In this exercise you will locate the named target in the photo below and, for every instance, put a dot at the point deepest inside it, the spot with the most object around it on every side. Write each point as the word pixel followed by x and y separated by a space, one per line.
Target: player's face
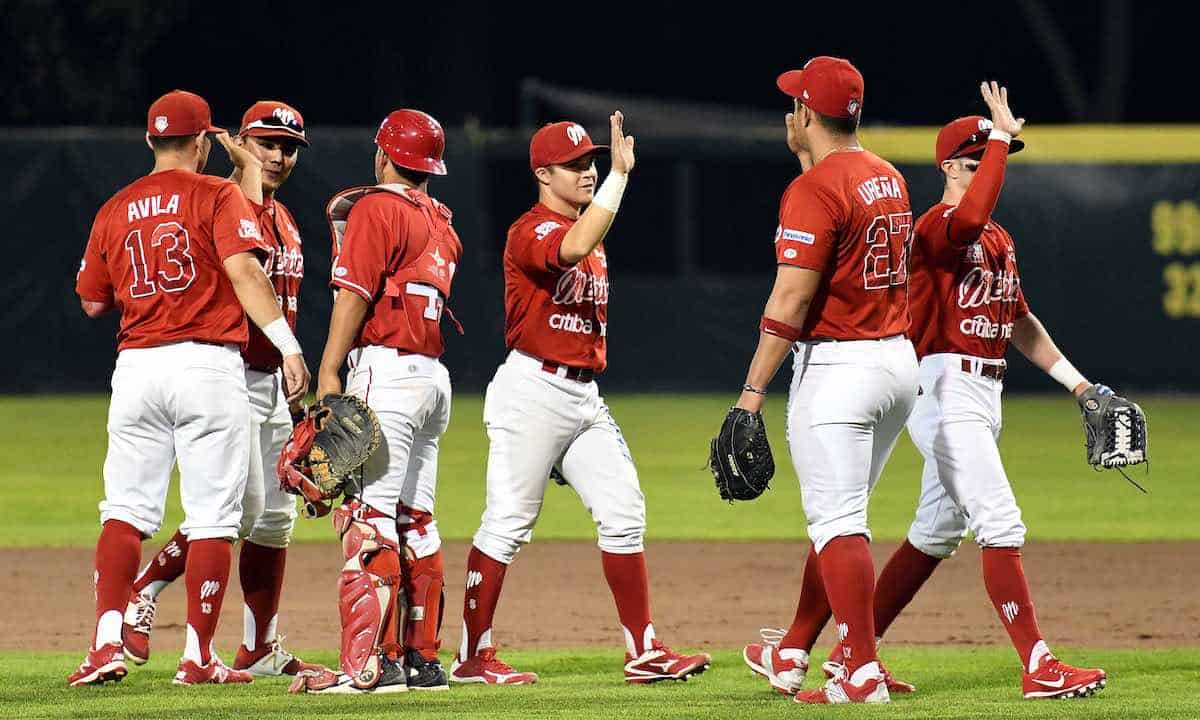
pixel 960 171
pixel 575 181
pixel 802 118
pixel 278 156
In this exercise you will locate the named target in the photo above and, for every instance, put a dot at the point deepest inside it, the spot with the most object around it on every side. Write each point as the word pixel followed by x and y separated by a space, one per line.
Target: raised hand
pixel 238 155
pixel 621 147
pixel 996 97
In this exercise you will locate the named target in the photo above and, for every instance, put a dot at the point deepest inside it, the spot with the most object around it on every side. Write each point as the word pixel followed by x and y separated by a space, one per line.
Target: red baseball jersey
pixel 394 247
pixel 965 296
pixel 156 251
pixel 849 218
pixel 285 267
pixel 552 310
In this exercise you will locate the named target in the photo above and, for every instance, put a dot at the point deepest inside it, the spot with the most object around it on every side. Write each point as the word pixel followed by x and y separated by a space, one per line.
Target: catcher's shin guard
pixel 368 593
pixel 424 579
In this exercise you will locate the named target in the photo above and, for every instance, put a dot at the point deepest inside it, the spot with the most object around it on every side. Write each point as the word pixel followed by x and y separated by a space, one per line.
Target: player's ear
pixel 148 143
pixel 542 175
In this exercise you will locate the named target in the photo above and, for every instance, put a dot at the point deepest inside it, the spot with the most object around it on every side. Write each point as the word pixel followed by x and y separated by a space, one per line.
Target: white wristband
pixel 611 190
pixel 1066 374
pixel 999 135
pixel 280 335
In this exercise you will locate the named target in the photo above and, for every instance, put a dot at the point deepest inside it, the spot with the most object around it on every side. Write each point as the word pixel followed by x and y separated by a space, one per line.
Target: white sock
pixel 108 627
pixel 191 646
pixel 1039 651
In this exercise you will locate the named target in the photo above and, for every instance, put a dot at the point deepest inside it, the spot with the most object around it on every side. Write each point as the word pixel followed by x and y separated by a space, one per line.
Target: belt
pixel 577 374
pixel 987 370
pixel 261 369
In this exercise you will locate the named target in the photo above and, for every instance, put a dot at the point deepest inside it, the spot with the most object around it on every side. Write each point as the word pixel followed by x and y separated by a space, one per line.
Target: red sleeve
pixel 535 247
pixel 93 282
pixel 235 225
pixel 977 204
pixel 808 222
pixel 1022 305
pixel 362 264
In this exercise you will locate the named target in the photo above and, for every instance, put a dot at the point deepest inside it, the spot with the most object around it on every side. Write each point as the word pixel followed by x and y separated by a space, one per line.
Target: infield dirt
pixel 703 594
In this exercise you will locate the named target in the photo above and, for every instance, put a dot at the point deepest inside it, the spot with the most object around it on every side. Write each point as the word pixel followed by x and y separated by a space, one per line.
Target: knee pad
pixel 369 594
pixel 419 531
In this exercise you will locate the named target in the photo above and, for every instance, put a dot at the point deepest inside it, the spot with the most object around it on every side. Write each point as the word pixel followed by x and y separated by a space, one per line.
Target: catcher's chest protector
pixel 433 250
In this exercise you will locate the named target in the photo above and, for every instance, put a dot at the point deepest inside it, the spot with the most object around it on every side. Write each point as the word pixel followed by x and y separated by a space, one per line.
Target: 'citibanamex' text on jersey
pixel 965 295
pixel 552 310
pixel 156 252
pixel 849 218
pixel 285 267
pixel 395 247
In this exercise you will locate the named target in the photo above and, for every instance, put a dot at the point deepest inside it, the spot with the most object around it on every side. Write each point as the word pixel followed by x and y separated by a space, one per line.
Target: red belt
pixel 263 370
pixel 577 374
pixel 987 370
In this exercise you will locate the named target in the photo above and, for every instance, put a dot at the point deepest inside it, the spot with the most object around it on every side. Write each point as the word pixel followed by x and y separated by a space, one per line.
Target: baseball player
pixel 840 306
pixel 968 306
pixel 177 252
pixel 544 413
pixel 272 133
pixel 395 253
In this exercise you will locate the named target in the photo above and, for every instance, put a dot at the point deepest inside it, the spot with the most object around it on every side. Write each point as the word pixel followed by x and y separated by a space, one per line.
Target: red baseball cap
pixel 272 118
pixel 828 85
pixel 179 112
pixel 966 136
pixel 559 143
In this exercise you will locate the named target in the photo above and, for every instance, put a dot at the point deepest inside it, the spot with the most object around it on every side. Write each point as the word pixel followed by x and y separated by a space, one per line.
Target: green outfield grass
pixel 953 683
pixel 52 454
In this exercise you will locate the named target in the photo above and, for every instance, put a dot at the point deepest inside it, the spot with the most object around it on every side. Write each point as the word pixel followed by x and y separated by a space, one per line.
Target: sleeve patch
pixel 796 236
pixel 545 229
pixel 248 229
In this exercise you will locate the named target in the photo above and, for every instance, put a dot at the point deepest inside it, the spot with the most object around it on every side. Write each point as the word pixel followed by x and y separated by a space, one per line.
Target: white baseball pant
pixel 847 405
pixel 268 513
pixel 411 395
pixel 185 401
pixel 956 426
pixel 536 421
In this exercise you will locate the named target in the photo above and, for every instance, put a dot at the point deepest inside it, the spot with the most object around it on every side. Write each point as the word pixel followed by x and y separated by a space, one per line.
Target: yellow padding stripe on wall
pixel 1109 144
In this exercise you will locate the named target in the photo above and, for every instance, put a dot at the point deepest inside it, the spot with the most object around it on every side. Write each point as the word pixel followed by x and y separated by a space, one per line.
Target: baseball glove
pixel 740 457
pixel 1114 430
pixel 333 440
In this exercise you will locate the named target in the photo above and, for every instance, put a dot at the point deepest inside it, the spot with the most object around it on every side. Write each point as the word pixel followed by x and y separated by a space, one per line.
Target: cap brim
pixel 276 133
pixel 975 152
pixel 790 83
pixel 580 152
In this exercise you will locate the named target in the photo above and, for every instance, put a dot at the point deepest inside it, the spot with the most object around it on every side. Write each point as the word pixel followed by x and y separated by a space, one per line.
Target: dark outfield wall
pixel 1110 256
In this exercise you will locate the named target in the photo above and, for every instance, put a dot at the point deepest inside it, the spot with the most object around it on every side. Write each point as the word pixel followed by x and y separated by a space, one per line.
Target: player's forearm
pixel 593 224
pixel 979 201
pixel 344 324
pixel 249 180
pixel 783 317
pixel 1031 339
pixel 772 351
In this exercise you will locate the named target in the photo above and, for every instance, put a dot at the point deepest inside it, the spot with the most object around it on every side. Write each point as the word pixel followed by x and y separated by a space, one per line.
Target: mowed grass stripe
pixel 974 683
pixel 51 461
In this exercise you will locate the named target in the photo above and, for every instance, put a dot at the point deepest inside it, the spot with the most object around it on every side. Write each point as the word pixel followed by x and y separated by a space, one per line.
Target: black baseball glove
pixel 1114 429
pixel 335 438
pixel 740 457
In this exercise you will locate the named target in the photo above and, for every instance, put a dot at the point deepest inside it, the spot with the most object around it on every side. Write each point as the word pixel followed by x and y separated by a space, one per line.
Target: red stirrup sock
pixel 118 552
pixel 627 579
pixel 207 577
pixel 812 610
pixel 849 578
pixel 906 571
pixel 260 570
pixel 166 567
pixel 1004 578
pixel 485 577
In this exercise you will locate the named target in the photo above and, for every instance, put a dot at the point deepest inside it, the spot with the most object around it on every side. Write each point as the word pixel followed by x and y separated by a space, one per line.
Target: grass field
pixel 979 684
pixel 50 483
pixel 53 454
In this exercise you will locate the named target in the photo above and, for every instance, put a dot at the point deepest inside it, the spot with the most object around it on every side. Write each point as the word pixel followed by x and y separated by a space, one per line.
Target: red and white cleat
pixel 271 660
pixel 784 668
pixel 486 668
pixel 214 673
pixel 104 664
pixel 894 686
pixel 865 685
pixel 1056 679
pixel 137 626
pixel 660 662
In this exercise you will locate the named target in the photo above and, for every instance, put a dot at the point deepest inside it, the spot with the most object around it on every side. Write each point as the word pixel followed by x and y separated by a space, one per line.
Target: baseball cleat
pixel 485 667
pixel 104 664
pixel 1056 679
pixel 784 668
pixel 865 685
pixel 660 662
pixel 327 682
pixel 136 627
pixel 895 687
pixel 214 673
pixel 271 660
pixel 424 674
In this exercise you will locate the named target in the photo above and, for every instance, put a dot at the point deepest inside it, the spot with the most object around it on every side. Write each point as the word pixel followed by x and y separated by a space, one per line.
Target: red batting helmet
pixel 413 140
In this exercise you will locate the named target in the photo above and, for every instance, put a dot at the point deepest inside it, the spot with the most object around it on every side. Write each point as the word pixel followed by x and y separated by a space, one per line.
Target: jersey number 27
pixel 889 239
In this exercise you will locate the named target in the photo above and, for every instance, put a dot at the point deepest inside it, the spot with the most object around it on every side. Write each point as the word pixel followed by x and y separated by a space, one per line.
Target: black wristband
pixel 750 388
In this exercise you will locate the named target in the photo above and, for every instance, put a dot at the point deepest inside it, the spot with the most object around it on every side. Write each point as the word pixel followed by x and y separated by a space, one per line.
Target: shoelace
pixel 279 656
pixel 493 663
pixel 772 636
pixel 838 672
pixel 144 622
